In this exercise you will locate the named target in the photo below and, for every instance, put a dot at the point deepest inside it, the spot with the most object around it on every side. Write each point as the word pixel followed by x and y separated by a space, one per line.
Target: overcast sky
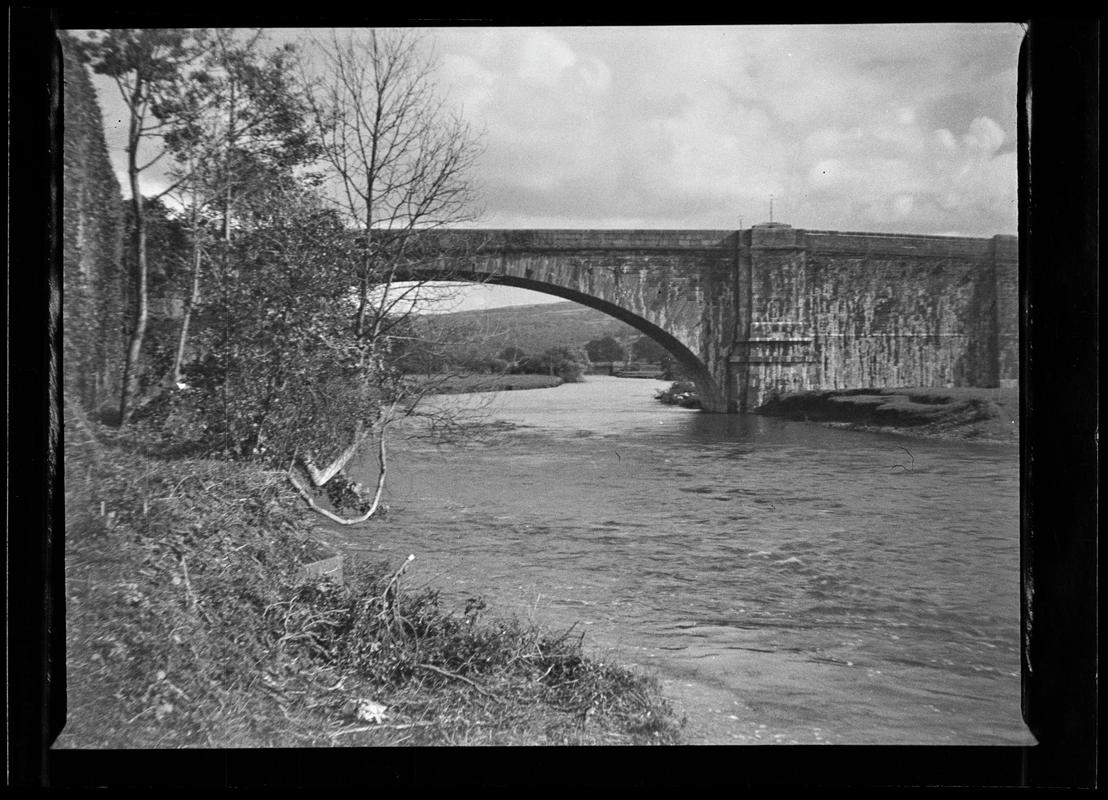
pixel 906 128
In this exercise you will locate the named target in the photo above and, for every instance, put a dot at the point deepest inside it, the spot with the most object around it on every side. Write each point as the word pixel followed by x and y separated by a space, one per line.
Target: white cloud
pixel 946 139
pixel 594 74
pixel 543 58
pixel 903 204
pixel 984 135
pixel 469 84
pixel 837 122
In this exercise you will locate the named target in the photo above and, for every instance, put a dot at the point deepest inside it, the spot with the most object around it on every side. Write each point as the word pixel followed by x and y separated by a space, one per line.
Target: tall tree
pixel 397 165
pixel 398 160
pixel 149 68
pixel 242 122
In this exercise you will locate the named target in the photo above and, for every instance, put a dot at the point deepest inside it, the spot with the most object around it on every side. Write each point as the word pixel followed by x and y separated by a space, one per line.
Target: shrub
pixel 680 393
pixel 563 362
pixel 605 349
pixel 511 354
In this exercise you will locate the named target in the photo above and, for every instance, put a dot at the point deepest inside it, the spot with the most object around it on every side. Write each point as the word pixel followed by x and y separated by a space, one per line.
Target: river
pixel 786 582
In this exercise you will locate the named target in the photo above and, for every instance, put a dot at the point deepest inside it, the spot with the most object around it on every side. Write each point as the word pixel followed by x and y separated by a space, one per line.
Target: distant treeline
pixel 532 329
pixel 554 339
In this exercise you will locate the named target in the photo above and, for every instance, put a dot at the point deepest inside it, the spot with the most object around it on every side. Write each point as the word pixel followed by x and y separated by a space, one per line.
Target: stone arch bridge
pixel 770 309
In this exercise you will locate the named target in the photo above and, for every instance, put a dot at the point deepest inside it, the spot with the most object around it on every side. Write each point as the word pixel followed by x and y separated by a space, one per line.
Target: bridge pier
pixel 715 398
pixel 831 310
pixel 714 403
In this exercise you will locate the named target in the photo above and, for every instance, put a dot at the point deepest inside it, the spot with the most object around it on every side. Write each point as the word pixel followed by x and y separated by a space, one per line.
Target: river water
pixel 786 582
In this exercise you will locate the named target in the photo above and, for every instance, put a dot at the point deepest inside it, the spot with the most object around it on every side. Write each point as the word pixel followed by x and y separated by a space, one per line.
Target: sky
pixel 904 128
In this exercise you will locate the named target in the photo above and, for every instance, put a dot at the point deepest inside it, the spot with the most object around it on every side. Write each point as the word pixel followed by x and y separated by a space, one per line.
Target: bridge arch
pixel 676 287
pixel 691 365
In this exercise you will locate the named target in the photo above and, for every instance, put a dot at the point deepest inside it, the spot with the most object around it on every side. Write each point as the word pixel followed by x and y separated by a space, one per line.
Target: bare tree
pixel 398 166
pixel 399 161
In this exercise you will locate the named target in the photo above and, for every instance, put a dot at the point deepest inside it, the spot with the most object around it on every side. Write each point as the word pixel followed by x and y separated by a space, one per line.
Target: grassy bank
pixel 191 622
pixel 460 384
pixel 952 413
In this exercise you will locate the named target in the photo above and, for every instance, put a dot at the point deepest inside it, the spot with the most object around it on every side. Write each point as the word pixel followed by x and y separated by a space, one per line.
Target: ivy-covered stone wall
pixel 93 283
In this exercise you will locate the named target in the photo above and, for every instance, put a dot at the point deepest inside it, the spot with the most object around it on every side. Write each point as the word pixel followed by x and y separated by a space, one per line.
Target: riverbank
pixel 464 384
pixel 194 618
pixel 964 413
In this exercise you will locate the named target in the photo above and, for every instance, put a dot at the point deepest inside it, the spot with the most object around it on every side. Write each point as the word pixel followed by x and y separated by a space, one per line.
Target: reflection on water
pixel 787 582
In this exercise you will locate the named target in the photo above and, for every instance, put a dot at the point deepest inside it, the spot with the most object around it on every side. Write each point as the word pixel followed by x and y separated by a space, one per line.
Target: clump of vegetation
pixel 192 623
pixel 566 363
pixel 679 393
pixel 645 349
pixel 606 349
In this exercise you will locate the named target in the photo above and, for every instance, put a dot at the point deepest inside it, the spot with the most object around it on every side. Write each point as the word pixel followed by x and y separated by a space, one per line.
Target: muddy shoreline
pixel 964 413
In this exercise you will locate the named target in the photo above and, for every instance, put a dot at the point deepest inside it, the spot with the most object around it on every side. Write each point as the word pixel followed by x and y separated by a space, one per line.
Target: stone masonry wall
pixel 94 304
pixel 852 310
pixel 1006 266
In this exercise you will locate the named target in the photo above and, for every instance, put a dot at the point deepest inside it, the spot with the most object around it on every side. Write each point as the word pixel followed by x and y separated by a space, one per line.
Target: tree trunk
pixel 363 301
pixel 316 476
pixel 320 477
pixel 186 316
pixel 138 332
pixel 227 194
pixel 367 247
pixel 194 296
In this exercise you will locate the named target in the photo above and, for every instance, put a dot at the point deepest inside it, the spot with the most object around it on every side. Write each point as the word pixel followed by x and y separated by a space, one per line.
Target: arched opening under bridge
pixel 690 365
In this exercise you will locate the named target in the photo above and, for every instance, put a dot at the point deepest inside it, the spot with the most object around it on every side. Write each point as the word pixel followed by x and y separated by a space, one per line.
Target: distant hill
pixel 533 328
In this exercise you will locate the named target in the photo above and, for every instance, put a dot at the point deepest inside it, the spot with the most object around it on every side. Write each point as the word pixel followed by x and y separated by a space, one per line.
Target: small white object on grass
pixel 369 711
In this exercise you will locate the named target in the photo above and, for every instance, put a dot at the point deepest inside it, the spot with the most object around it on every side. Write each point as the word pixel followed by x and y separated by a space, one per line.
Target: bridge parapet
pixel 890 245
pixel 500 240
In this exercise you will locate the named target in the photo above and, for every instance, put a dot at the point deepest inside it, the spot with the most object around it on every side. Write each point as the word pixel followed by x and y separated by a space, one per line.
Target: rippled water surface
pixel 786 582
